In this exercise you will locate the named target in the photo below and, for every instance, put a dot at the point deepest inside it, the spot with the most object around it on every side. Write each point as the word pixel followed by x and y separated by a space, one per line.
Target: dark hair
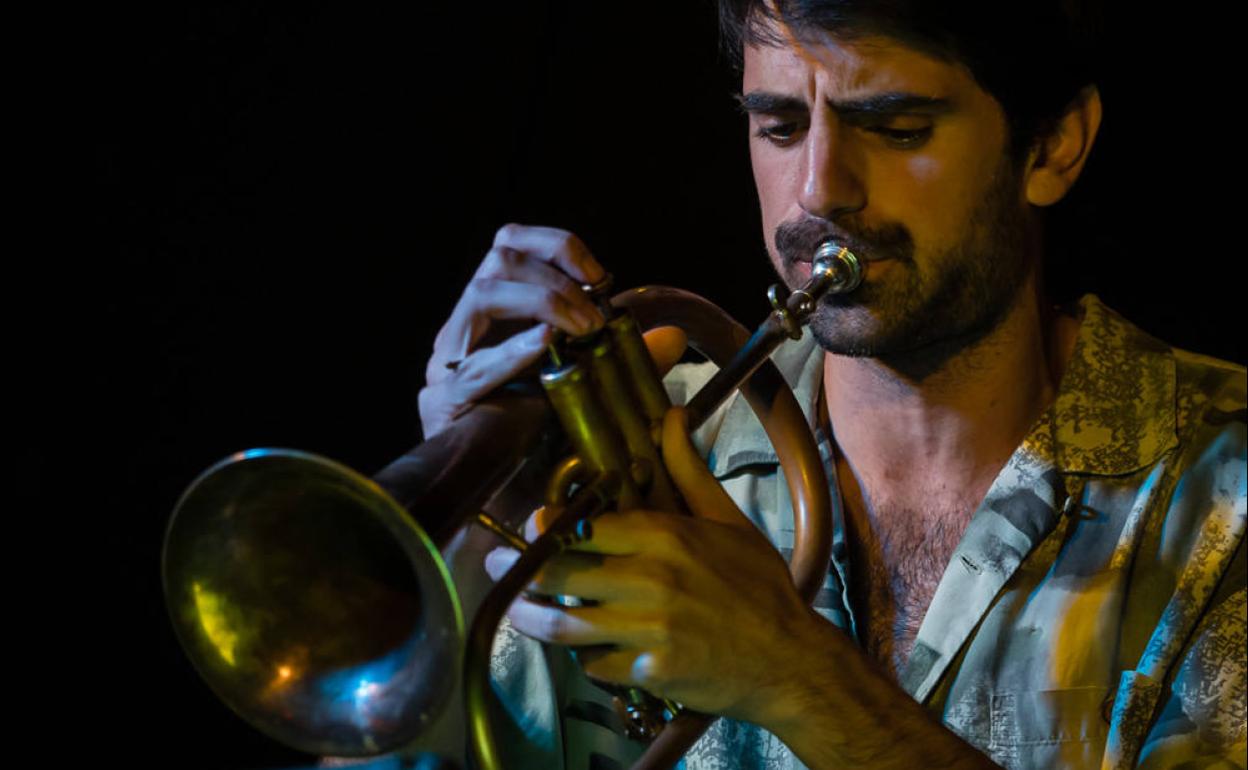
pixel 1034 57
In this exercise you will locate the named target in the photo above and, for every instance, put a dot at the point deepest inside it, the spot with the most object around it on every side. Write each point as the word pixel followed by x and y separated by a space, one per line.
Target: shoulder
pixel 1208 391
pixel 1204 477
pixel 1211 424
pixel 1187 498
pixel 1147 400
pixel 1161 432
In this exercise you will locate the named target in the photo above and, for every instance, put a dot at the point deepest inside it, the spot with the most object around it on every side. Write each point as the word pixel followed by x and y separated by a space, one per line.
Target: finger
pixel 702 492
pixel 621 579
pixel 624 533
pixel 559 247
pixel 488 299
pixel 503 262
pixel 470 320
pixel 667 344
pixel 499 561
pixel 553 577
pixel 540 521
pixel 577 626
pixel 487 368
pixel 609 664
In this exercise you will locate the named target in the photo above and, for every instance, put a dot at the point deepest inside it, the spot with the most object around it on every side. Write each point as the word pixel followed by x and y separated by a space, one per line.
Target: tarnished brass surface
pixel 595 437
pixel 314 603
pixel 310 602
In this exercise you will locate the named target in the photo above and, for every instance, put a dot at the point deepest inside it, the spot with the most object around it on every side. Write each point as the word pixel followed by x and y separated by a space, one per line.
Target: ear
pixel 1058 158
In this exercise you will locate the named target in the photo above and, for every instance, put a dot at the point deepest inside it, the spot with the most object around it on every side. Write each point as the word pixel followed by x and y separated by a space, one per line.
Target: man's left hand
pixel 700 609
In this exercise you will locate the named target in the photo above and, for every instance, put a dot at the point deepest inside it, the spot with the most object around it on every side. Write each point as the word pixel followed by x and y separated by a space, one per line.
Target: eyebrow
pixel 888 103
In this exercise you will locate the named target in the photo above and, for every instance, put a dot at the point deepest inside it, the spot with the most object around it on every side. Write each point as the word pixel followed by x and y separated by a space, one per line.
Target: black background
pixel 285 203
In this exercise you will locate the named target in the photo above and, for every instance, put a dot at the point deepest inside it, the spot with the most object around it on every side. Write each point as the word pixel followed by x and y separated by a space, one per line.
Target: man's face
pixel 903 158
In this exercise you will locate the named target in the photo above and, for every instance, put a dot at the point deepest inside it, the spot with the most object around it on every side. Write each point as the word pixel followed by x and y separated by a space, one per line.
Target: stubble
pixel 918 316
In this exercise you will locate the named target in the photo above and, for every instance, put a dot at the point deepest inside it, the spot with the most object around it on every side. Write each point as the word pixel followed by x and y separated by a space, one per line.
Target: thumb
pixel 667 344
pixel 703 494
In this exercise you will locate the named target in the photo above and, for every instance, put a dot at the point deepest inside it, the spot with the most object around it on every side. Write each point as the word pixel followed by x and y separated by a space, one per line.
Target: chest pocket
pixel 1048 728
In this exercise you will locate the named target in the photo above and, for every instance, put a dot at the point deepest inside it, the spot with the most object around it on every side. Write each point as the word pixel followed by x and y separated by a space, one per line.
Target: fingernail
pixel 584 530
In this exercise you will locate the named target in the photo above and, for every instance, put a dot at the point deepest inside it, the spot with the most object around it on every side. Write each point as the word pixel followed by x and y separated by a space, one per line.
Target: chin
pixel 913 338
pixel 851 330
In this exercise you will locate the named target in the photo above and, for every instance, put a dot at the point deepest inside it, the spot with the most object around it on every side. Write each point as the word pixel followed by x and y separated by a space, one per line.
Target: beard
pixel 917 317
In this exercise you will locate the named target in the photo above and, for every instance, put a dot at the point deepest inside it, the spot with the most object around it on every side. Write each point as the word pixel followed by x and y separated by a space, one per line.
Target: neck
pixel 952 428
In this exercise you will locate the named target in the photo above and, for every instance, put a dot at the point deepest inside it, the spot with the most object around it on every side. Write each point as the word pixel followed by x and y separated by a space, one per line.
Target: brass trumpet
pixel 315 603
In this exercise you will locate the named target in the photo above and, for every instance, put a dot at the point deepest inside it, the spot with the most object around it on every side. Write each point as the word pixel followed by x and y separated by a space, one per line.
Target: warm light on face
pixel 902 157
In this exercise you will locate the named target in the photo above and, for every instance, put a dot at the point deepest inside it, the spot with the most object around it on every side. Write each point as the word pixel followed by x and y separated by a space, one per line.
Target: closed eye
pixel 779 134
pixel 903 138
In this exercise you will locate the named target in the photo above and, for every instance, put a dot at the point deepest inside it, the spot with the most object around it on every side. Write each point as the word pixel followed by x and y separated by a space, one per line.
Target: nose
pixel 831 180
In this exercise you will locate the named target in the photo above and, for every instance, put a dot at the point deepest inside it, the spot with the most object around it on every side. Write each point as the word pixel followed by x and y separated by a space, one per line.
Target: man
pixel 1039 558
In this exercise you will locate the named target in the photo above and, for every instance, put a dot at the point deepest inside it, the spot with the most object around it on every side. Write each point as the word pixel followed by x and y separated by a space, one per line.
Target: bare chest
pixel 899 557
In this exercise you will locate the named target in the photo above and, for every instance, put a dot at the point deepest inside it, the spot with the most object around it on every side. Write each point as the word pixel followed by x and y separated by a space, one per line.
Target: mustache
pixel 796 241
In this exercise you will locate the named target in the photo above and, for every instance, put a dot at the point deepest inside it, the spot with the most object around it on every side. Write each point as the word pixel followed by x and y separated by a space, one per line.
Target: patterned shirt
pixel 1093 614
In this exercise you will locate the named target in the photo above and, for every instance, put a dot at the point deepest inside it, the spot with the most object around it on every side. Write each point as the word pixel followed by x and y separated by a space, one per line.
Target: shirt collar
pixel 1114 412
pixel 741 440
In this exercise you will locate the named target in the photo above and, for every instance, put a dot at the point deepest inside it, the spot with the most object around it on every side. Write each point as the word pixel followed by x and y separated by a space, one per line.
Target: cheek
pixel 772 187
pixel 922 186
pixel 930 198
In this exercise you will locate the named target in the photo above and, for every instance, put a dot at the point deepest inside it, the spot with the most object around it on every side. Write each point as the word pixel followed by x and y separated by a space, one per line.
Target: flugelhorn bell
pixel 311 603
pixel 315 603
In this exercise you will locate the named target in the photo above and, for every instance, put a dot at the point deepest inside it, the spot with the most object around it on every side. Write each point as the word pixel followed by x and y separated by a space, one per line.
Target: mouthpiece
pixel 835 268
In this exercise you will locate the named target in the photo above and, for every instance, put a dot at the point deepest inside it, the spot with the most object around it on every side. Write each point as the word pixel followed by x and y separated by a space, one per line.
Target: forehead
pixel 848 68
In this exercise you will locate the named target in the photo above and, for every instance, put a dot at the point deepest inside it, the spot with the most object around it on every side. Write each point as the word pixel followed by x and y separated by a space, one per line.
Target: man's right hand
pixel 530 274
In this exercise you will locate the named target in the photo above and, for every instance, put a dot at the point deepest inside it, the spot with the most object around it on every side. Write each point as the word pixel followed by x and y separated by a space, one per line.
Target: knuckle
pixel 508 233
pixel 571 242
pixel 510 258
pixel 670 583
pixel 652 669
pixel 500 261
pixel 551 301
pixel 424 406
pixel 432 373
pixel 431 400
pixel 660 582
pixel 664 627
pixel 492 265
pixel 669 539
pixel 473 377
pixel 481 286
pixel 569 289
